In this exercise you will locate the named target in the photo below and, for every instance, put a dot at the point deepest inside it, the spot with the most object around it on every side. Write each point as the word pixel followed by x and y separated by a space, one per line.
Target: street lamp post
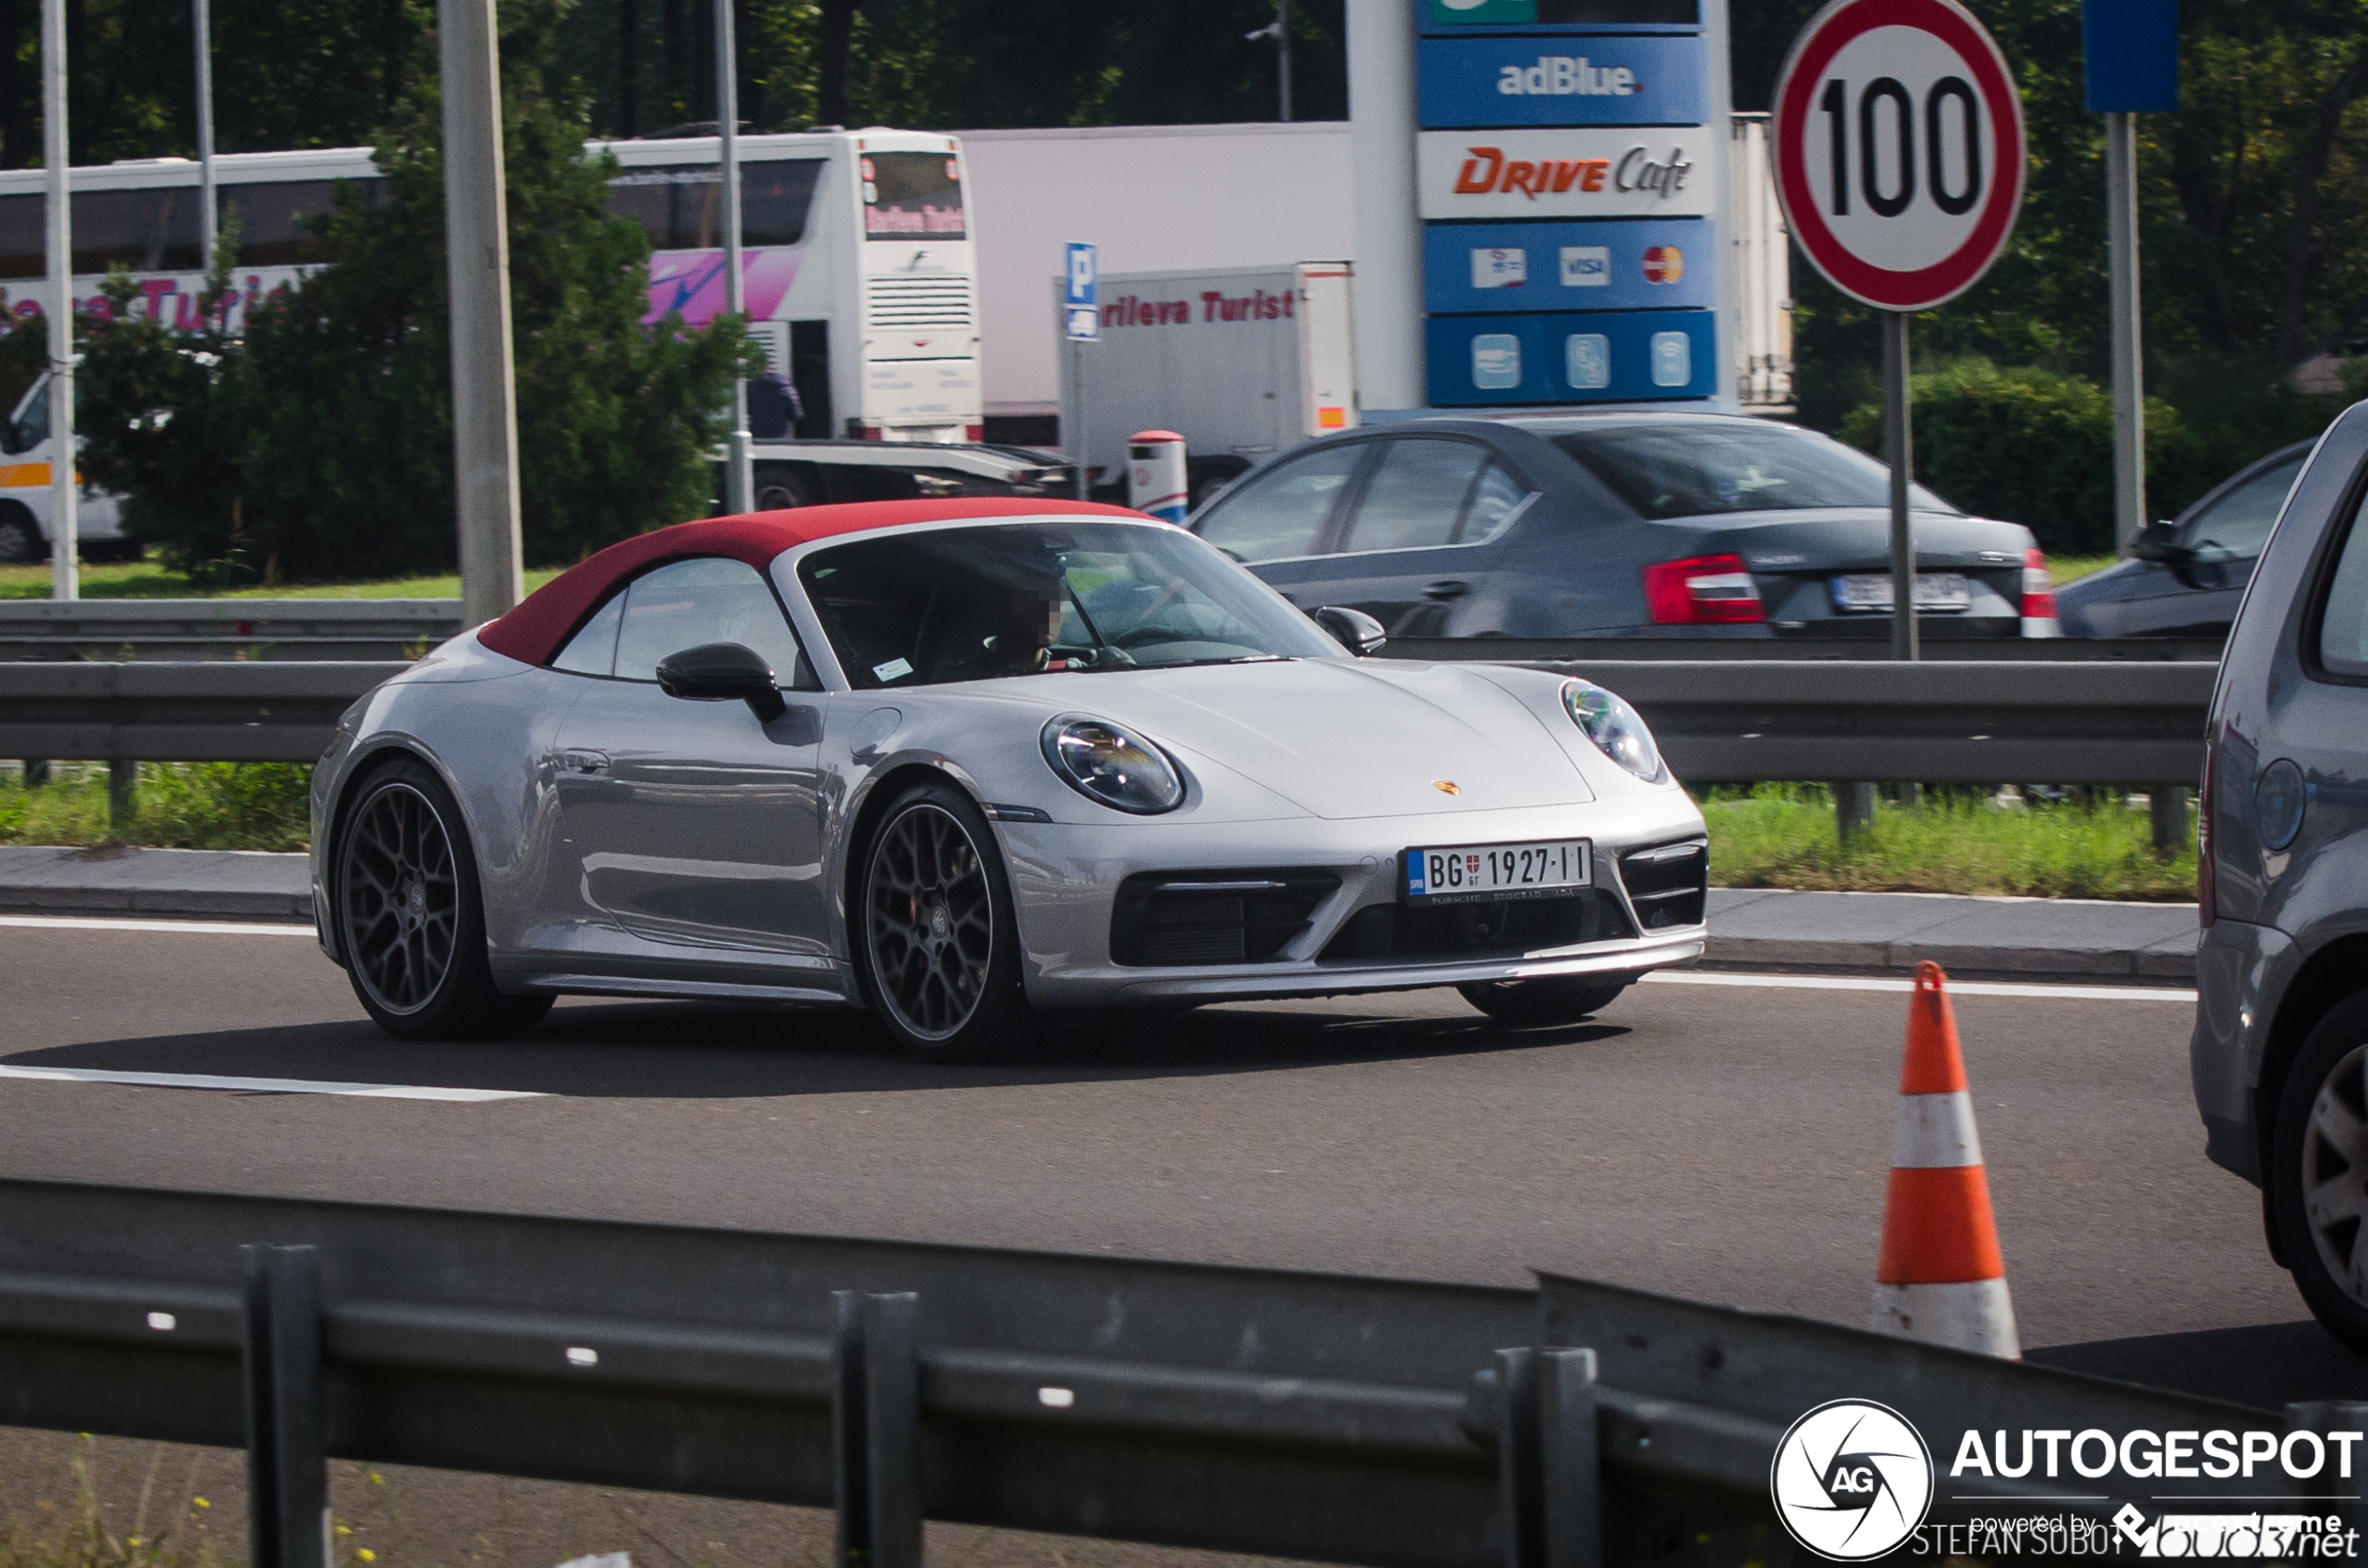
pixel 739 479
pixel 64 536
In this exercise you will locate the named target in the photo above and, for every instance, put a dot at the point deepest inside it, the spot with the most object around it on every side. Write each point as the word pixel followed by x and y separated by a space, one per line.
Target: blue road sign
pixel 1082 311
pixel 2131 55
pixel 1578 80
pixel 1609 264
pixel 1084 274
pixel 1578 356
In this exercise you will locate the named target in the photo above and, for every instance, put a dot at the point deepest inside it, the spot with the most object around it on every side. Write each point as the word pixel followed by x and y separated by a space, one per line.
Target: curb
pixel 1752 928
pixel 215 884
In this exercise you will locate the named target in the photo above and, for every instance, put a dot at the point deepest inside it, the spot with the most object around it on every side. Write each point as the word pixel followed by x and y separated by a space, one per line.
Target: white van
pixel 24 492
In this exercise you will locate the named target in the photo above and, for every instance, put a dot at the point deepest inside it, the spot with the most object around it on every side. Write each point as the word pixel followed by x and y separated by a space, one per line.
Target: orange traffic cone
pixel 1940 1278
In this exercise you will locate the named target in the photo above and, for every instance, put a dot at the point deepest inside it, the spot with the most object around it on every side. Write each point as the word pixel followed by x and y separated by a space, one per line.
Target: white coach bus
pixel 858 266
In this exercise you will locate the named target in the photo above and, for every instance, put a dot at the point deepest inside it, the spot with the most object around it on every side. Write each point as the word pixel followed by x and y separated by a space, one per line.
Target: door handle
pixel 579 761
pixel 1450 588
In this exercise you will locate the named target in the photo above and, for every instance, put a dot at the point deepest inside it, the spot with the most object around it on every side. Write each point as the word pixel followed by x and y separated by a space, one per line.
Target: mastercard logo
pixel 1664 264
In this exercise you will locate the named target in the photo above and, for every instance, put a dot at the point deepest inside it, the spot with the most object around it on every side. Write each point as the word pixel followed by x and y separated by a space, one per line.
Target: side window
pixel 696 601
pixel 592 650
pixel 1282 512
pixel 32 428
pixel 2236 526
pixel 1416 496
pixel 1496 501
pixel 2343 628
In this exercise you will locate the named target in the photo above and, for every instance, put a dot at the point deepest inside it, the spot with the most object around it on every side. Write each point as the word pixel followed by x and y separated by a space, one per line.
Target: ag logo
pixel 1852 1480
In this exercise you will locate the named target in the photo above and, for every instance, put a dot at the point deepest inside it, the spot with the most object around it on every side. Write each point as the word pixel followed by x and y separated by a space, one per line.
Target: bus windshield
pixel 908 194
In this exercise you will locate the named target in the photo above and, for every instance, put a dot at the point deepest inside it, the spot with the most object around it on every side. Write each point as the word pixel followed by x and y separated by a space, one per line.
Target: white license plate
pixel 1466 872
pixel 1871 590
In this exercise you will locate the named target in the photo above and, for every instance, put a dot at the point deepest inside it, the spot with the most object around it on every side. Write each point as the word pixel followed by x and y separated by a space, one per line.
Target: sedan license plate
pixel 1871 590
pixel 1469 873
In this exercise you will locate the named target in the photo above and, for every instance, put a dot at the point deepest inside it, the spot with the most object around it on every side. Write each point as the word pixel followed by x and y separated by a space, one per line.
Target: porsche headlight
pixel 1616 729
pixel 1106 763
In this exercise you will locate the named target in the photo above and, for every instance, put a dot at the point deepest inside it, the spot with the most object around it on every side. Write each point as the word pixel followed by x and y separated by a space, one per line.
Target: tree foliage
pixel 321 443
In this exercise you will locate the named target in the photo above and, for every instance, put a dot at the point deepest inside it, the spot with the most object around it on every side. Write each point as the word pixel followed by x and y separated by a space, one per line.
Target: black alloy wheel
pixel 938 944
pixel 2319 1173
pixel 1563 1000
pixel 410 923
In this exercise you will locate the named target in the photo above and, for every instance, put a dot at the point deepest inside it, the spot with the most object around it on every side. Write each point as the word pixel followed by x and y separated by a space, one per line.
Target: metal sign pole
pixel 2129 394
pixel 1899 449
pixel 201 25
pixel 1077 445
pixel 64 536
pixel 739 477
pixel 485 409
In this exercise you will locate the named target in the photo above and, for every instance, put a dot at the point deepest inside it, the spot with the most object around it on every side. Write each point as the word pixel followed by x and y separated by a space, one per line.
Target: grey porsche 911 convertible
pixel 960 762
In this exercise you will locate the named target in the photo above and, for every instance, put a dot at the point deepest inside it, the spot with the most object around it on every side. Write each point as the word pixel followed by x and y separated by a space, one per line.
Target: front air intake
pixel 1170 918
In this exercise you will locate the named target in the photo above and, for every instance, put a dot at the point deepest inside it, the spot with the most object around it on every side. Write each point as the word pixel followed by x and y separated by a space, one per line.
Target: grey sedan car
pixel 1617 524
pixel 960 762
pixel 2280 1047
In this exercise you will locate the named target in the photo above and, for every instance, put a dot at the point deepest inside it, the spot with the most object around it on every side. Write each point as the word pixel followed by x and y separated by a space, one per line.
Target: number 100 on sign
pixel 1899 149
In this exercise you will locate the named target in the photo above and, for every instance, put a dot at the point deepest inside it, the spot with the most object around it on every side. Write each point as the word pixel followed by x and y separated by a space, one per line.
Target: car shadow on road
pixel 2265 1366
pixel 703 1051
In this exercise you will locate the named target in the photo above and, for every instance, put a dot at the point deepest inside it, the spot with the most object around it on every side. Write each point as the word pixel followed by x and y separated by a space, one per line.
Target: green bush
pixel 2031 447
pixel 2036 447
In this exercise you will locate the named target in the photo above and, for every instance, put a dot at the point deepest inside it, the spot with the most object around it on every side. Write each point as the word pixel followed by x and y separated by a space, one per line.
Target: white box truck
pixel 1241 361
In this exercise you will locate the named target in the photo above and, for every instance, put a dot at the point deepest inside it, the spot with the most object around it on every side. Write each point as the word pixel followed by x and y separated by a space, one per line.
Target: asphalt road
pixel 1722 1141
pixel 1722 1138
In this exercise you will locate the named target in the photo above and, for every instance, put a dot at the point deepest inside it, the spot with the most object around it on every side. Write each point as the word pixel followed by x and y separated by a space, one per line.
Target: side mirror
pixel 1353 629
pixel 721 672
pixel 2158 541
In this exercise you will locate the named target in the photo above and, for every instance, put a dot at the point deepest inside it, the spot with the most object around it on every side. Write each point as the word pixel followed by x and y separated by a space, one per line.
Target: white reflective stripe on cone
pixel 1977 1315
pixel 1935 1130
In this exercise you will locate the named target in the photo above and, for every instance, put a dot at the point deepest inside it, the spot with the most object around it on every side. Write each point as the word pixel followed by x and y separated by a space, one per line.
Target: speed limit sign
pixel 1899 149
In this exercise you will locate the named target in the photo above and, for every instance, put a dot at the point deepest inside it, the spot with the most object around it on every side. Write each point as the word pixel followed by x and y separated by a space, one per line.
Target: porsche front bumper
pixel 1065 880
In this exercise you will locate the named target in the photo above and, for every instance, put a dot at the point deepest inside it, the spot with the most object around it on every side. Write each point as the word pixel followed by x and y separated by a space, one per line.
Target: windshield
pixel 975 603
pixel 2236 526
pixel 1700 469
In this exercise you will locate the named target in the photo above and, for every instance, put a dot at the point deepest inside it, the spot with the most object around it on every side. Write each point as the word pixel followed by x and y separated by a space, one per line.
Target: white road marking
pixel 184 928
pixel 265 1085
pixel 1956 987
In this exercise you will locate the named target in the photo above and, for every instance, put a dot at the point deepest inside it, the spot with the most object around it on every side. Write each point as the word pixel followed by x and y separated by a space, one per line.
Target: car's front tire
pixel 2319 1173
pixel 1542 1001
pixel 411 919
pixel 937 946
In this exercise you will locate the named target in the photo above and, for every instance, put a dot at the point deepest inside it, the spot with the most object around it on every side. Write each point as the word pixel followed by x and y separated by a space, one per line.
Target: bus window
pixel 23 233
pixel 272 231
pixel 678 204
pixel 149 230
pixel 908 194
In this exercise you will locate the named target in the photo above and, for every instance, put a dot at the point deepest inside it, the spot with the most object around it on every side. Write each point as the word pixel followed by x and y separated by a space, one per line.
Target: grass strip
pixel 2091 845
pixel 152 580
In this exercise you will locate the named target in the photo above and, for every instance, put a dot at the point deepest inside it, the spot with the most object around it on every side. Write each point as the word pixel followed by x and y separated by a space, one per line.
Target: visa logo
pixel 1586 266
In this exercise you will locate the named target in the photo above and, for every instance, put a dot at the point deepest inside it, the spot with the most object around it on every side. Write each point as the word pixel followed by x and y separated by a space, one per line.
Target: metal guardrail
pixel 1737 720
pixel 1716 721
pixel 225 629
pixel 195 711
pixel 400 628
pixel 1314 1416
pixel 1999 650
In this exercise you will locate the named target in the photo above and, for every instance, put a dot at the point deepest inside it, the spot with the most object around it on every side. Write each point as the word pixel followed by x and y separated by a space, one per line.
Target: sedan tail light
pixel 2039 596
pixel 1701 590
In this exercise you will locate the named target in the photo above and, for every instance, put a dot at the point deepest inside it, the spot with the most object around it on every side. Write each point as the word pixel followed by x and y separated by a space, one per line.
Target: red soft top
pixel 535 631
